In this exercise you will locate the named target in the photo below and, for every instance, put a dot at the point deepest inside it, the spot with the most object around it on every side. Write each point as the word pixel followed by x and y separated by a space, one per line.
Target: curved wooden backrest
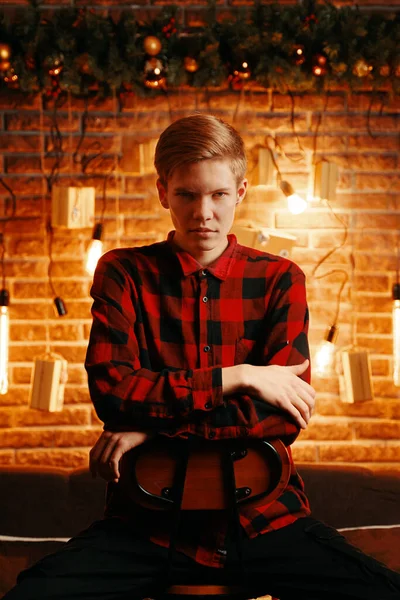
pixel 261 470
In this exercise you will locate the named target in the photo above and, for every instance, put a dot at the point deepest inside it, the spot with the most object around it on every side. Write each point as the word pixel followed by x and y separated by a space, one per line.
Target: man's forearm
pixel 235 380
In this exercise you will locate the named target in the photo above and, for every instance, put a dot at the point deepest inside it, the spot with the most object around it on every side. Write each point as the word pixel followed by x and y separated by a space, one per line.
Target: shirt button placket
pixel 204 315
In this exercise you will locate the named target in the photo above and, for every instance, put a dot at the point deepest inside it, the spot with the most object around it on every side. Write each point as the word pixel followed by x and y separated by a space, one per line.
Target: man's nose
pixel 203 208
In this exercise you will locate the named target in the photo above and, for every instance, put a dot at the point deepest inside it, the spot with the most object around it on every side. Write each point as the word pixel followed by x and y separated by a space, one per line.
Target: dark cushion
pixel 352 496
pixel 381 543
pixel 40 502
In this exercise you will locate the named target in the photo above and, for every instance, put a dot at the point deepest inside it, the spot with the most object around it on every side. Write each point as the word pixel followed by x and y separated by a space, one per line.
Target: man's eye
pixel 220 194
pixel 186 194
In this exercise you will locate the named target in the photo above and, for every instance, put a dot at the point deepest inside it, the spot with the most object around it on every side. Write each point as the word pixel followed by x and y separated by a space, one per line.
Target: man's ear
pixel 162 194
pixel 241 192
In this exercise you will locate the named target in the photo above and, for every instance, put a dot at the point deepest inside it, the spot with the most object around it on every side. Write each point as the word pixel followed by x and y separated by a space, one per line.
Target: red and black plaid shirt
pixel 163 328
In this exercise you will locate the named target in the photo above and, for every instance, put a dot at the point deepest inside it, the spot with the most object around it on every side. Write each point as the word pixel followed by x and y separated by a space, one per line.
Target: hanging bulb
pixel 296 204
pixel 95 249
pixel 325 355
pixel 60 306
pixel 396 334
pixel 4 340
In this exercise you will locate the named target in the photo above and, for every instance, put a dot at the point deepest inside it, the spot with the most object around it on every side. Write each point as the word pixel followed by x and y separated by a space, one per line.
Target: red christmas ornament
pixel 320 60
pixel 170 28
pixel 310 20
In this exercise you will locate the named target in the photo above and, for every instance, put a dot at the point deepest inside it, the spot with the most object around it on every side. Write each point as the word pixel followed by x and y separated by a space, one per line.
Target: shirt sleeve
pixel 125 395
pixel 285 343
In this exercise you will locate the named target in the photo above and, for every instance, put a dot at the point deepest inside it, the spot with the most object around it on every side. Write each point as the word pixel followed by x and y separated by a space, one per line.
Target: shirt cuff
pixel 207 388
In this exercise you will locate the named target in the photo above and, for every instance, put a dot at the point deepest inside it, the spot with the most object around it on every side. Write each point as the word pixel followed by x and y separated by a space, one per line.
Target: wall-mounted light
pixel 269 240
pixel 296 204
pixel 4 339
pixel 325 181
pixel 325 355
pixel 72 207
pixel 49 376
pixel 355 378
pixel 95 249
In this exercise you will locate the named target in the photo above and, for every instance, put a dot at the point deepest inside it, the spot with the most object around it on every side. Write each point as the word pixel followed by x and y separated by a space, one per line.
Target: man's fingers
pixel 307 397
pixel 108 450
pixel 298 417
pixel 105 464
pixel 96 453
pixel 299 369
pixel 100 453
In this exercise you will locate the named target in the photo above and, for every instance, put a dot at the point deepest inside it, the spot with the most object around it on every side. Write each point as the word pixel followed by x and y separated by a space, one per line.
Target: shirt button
pixel 205 299
pixel 208 405
pixel 204 273
pixel 207 348
pixel 211 434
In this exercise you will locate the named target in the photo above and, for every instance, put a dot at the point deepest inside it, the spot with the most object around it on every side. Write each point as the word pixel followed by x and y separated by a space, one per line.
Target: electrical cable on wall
pixel 58 301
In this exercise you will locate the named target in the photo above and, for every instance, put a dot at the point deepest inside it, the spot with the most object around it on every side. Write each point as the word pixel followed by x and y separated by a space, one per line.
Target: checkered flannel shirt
pixel 163 329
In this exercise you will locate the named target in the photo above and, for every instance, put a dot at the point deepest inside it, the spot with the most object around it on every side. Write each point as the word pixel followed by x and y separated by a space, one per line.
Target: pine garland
pixel 307 47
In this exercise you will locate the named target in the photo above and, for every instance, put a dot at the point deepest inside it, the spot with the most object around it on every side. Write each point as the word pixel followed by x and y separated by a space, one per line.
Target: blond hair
pixel 199 137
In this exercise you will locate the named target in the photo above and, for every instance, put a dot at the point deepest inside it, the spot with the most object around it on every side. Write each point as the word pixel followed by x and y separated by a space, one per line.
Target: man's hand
pixel 108 450
pixel 283 388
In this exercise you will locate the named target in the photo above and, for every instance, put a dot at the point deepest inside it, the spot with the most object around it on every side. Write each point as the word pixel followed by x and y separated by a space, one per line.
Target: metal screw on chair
pixel 238 454
pixel 242 492
pixel 166 492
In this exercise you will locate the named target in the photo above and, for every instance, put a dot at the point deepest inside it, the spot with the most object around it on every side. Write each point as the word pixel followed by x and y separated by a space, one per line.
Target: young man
pixel 200 336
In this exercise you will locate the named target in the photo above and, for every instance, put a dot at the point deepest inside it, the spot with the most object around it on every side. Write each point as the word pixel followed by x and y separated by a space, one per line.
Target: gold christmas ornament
pixel 11 78
pixel 154 74
pixel 55 64
pixel 191 65
pixel 5 52
pixel 362 68
pixel 152 45
pixel 298 55
pixel 318 71
pixel 319 65
pixel 243 71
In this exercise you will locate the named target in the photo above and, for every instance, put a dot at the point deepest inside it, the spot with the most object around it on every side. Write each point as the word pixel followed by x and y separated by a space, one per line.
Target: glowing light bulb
pixel 95 250
pixel 4 340
pixel 325 355
pixel 396 334
pixel 296 204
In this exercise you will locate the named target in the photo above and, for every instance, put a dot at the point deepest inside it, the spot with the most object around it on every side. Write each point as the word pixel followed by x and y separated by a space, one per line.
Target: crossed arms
pixel 273 400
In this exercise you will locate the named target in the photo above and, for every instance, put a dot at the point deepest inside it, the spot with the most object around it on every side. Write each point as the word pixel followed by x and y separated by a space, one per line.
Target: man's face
pixel 202 198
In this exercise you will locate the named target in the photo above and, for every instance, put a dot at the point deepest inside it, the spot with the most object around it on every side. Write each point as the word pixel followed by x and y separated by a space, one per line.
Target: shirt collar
pixel 189 265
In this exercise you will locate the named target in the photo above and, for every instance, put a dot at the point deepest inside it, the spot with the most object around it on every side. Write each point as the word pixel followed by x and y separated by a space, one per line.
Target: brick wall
pixel 367 152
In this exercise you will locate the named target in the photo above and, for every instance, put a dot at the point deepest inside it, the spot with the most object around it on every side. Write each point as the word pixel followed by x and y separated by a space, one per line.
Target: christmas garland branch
pixel 305 47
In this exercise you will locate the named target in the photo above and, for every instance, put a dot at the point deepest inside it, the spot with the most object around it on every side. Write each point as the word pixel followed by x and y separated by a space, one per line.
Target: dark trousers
pixel 304 561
